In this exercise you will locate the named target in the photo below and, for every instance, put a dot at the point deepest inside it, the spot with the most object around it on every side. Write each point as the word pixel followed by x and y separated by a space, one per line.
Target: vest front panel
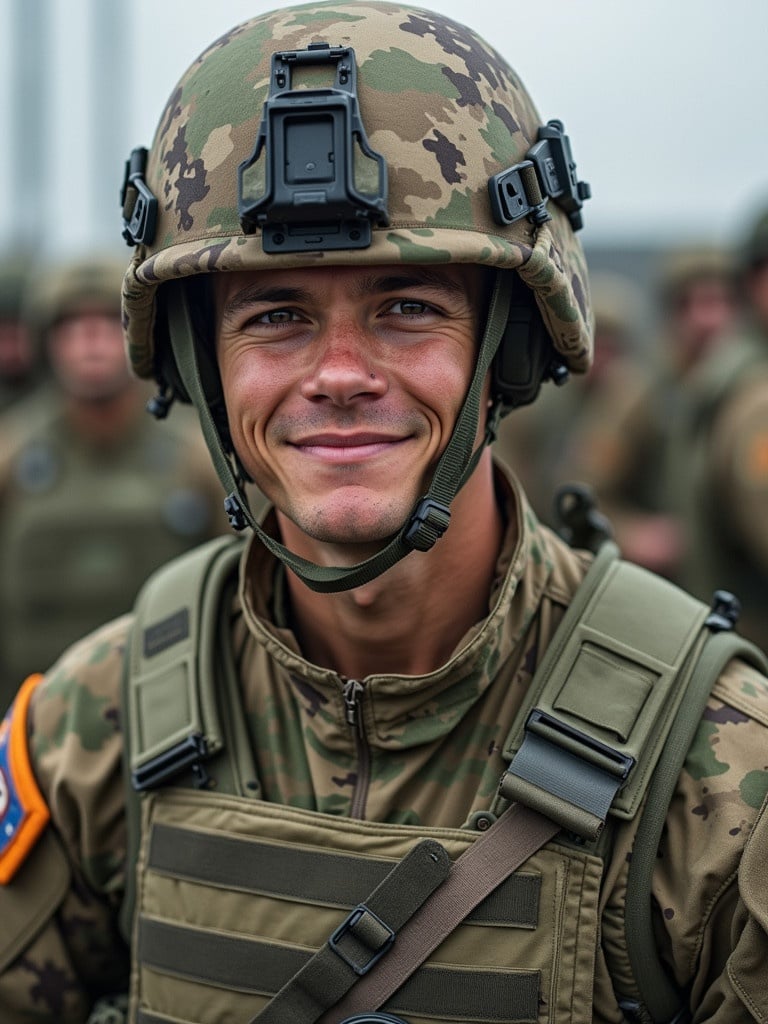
pixel 235 895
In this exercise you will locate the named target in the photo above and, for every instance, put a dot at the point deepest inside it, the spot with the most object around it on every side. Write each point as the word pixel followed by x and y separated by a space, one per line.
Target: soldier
pixel 92 496
pixel 574 433
pixel 698 306
pixel 317 718
pixel 718 462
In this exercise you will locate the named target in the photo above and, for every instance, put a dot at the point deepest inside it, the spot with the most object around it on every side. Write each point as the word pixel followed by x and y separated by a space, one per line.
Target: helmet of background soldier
pixel 438 156
pixel 683 267
pixel 62 290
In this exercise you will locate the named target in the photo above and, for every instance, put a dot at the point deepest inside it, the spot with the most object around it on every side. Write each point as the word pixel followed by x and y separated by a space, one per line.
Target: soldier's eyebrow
pixel 256 293
pixel 402 281
pixel 369 284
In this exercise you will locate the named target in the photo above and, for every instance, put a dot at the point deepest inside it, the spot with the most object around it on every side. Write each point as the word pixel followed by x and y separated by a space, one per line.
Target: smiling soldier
pixel 400 754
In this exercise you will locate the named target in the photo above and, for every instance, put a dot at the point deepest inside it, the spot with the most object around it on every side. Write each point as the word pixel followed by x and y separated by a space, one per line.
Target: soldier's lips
pixel 339 448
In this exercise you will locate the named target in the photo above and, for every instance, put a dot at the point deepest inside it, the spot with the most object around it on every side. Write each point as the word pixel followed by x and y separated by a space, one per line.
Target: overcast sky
pixel 664 101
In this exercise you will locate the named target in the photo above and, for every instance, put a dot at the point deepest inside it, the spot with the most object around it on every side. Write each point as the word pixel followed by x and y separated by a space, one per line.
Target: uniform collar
pixel 522 571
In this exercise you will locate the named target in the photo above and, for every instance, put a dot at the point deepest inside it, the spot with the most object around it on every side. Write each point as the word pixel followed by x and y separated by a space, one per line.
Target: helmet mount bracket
pixel 312 183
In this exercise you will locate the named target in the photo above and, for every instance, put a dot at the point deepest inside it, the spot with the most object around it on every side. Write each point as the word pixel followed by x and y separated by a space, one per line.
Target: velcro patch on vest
pixel 23 811
pixel 166 633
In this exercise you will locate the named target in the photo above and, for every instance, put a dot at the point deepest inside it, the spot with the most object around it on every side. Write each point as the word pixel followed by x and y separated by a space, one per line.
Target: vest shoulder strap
pixel 169 709
pixel 173 717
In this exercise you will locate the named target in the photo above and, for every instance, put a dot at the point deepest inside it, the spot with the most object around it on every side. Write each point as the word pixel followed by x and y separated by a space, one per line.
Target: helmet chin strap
pixel 429 519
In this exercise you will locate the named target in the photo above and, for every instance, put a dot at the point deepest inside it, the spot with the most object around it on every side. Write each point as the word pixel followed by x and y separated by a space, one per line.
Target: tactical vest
pixel 94 525
pixel 238 899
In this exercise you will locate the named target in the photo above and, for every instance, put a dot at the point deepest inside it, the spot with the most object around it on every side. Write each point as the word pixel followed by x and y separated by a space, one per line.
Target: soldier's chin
pixel 354 526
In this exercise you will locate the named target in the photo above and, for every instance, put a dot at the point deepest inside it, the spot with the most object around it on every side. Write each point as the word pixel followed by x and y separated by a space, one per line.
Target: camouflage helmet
pixel 438 155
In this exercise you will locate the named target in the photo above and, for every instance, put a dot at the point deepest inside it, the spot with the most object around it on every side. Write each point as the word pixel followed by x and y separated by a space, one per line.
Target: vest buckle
pixel 362 939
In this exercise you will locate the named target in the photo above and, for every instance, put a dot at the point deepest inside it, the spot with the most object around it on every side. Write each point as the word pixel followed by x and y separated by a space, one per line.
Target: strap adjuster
pixel 427 524
pixel 362 939
pixel 566 774
pixel 189 752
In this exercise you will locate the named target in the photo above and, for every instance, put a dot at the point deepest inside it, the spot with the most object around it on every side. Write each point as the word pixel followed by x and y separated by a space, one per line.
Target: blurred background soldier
pixel 718 469
pixel 93 493
pixel 570 433
pixel 697 307
pixel 20 363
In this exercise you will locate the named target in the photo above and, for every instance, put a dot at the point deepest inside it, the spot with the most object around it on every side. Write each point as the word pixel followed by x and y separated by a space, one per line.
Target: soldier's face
pixel 87 354
pixel 343 384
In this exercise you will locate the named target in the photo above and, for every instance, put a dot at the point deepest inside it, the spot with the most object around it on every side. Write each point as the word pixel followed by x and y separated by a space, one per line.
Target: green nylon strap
pixel 660 998
pixel 430 518
pixel 366 936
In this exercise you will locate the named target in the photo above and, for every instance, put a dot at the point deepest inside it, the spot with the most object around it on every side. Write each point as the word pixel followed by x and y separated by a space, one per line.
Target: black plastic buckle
pixel 427 524
pixel 725 611
pixel 580 522
pixel 348 925
pixel 557 171
pixel 613 761
pixel 514 195
pixel 138 203
pixel 510 199
pixel 235 512
pixel 187 753
pixel 303 184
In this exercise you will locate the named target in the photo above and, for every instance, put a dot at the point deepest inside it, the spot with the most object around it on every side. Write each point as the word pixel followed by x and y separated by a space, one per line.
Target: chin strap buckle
pixel 427 524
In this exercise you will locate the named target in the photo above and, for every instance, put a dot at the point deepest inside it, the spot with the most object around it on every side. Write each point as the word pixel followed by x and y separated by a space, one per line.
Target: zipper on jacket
pixel 353 694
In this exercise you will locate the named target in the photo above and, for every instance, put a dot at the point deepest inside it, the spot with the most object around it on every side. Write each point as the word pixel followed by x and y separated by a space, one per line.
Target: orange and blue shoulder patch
pixel 23 811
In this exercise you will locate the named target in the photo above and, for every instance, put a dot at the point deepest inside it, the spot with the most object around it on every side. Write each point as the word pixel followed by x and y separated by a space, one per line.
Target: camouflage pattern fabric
pixel 434 744
pixel 465 117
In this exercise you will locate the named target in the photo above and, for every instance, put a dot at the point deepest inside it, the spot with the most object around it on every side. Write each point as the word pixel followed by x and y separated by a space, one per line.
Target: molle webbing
pixel 246 965
pixel 602 703
pixel 299 875
pixel 238 897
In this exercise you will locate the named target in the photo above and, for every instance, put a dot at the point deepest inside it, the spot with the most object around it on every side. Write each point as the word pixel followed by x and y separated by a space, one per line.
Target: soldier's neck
pixel 411 619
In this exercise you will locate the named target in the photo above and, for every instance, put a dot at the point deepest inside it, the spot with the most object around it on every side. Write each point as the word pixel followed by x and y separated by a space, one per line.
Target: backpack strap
pixel 659 1000
pixel 174 662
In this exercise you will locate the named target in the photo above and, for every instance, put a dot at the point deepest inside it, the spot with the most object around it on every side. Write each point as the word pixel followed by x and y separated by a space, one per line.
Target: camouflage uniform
pixel 424 752
pixel 435 751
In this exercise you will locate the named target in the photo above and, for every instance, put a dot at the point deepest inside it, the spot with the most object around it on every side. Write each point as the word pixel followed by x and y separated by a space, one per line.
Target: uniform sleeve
pixel 709 884
pixel 60 947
